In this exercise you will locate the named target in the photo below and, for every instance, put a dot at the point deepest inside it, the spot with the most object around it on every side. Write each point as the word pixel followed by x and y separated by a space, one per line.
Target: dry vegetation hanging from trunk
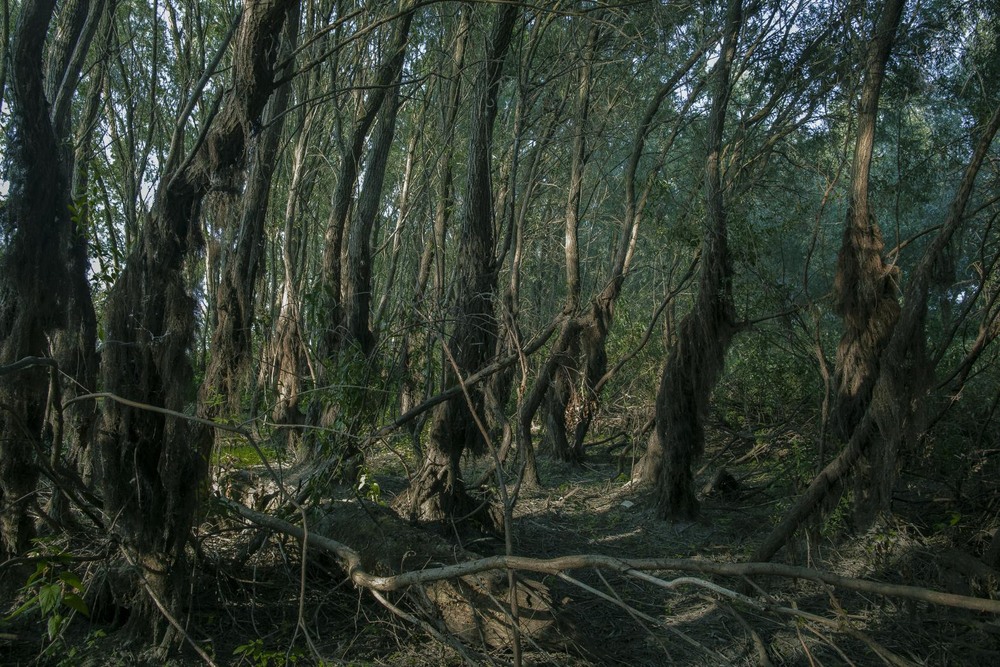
pixel 153 467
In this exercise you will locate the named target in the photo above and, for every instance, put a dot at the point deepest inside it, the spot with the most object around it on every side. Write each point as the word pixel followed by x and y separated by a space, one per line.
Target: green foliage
pixel 53 590
pixel 367 487
pixel 255 653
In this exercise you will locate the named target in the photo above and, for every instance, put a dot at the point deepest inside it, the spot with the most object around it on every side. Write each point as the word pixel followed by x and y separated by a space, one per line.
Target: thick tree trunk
pixel 153 466
pixel 697 357
pixel 242 253
pixel 33 274
pixel 438 490
pixel 865 286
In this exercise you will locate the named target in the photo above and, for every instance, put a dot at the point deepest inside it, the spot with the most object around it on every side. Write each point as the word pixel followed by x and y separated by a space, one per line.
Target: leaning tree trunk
pixel 697 356
pixel 153 465
pixel 865 286
pixel 357 279
pixel 438 491
pixel 340 279
pixel 36 229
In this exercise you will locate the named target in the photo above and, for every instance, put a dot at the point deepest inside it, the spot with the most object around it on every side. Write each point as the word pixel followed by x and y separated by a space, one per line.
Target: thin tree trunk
pixel 357 280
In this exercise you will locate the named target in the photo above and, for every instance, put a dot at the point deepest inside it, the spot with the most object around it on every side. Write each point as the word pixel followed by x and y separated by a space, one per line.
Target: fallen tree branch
pixel 627 566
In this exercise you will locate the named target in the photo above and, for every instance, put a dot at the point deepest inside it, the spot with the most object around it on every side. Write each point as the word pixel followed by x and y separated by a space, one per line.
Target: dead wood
pixel 470 604
pixel 351 519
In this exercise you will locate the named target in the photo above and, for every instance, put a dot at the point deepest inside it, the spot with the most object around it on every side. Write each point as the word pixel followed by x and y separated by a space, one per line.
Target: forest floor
pixel 263 608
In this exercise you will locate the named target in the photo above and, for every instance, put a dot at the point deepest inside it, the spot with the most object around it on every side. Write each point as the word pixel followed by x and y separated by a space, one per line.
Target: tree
pixel 696 358
pixel 866 286
pixel 37 230
pixel 153 466
pixel 437 491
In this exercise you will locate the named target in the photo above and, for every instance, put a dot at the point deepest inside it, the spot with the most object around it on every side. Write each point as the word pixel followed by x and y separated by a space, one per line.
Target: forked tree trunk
pixel 865 286
pixel 242 253
pixel 438 490
pixel 36 229
pixel 697 356
pixel 578 385
pixel 357 278
pixel 153 466
pixel 344 298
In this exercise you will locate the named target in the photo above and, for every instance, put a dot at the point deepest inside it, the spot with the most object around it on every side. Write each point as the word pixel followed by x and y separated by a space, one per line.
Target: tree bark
pixel 33 276
pixel 865 288
pixel 242 252
pixel 697 356
pixel 358 272
pixel 438 491
pixel 152 466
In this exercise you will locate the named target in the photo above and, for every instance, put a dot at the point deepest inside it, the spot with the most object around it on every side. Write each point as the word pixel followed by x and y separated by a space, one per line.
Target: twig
pixel 427 627
pixel 762 657
pixel 721 659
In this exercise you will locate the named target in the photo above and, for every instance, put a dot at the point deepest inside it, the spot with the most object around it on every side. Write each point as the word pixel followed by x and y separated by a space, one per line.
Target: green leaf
pixel 76 603
pixel 71 580
pixel 48 597
pixel 55 621
pixel 33 602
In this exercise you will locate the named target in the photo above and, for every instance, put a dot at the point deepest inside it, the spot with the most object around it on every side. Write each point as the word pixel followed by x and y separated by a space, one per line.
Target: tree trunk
pixel 865 286
pixel 438 491
pixel 242 252
pixel 594 325
pixel 357 280
pixel 36 230
pixel 895 394
pixel 697 357
pixel 153 466
pixel 341 270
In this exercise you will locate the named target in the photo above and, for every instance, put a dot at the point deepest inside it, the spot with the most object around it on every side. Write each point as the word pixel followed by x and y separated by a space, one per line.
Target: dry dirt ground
pixel 255 604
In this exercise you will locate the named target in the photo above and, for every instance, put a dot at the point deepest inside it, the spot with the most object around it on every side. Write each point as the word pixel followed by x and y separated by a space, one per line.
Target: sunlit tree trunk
pixel 865 289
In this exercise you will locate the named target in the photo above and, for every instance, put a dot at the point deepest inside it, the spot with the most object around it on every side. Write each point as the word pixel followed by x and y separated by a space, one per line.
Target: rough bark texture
pixel 897 393
pixel 152 466
pixel 358 272
pixel 696 359
pixel 438 490
pixel 865 286
pixel 34 230
pixel 76 346
pixel 587 373
pixel 242 254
